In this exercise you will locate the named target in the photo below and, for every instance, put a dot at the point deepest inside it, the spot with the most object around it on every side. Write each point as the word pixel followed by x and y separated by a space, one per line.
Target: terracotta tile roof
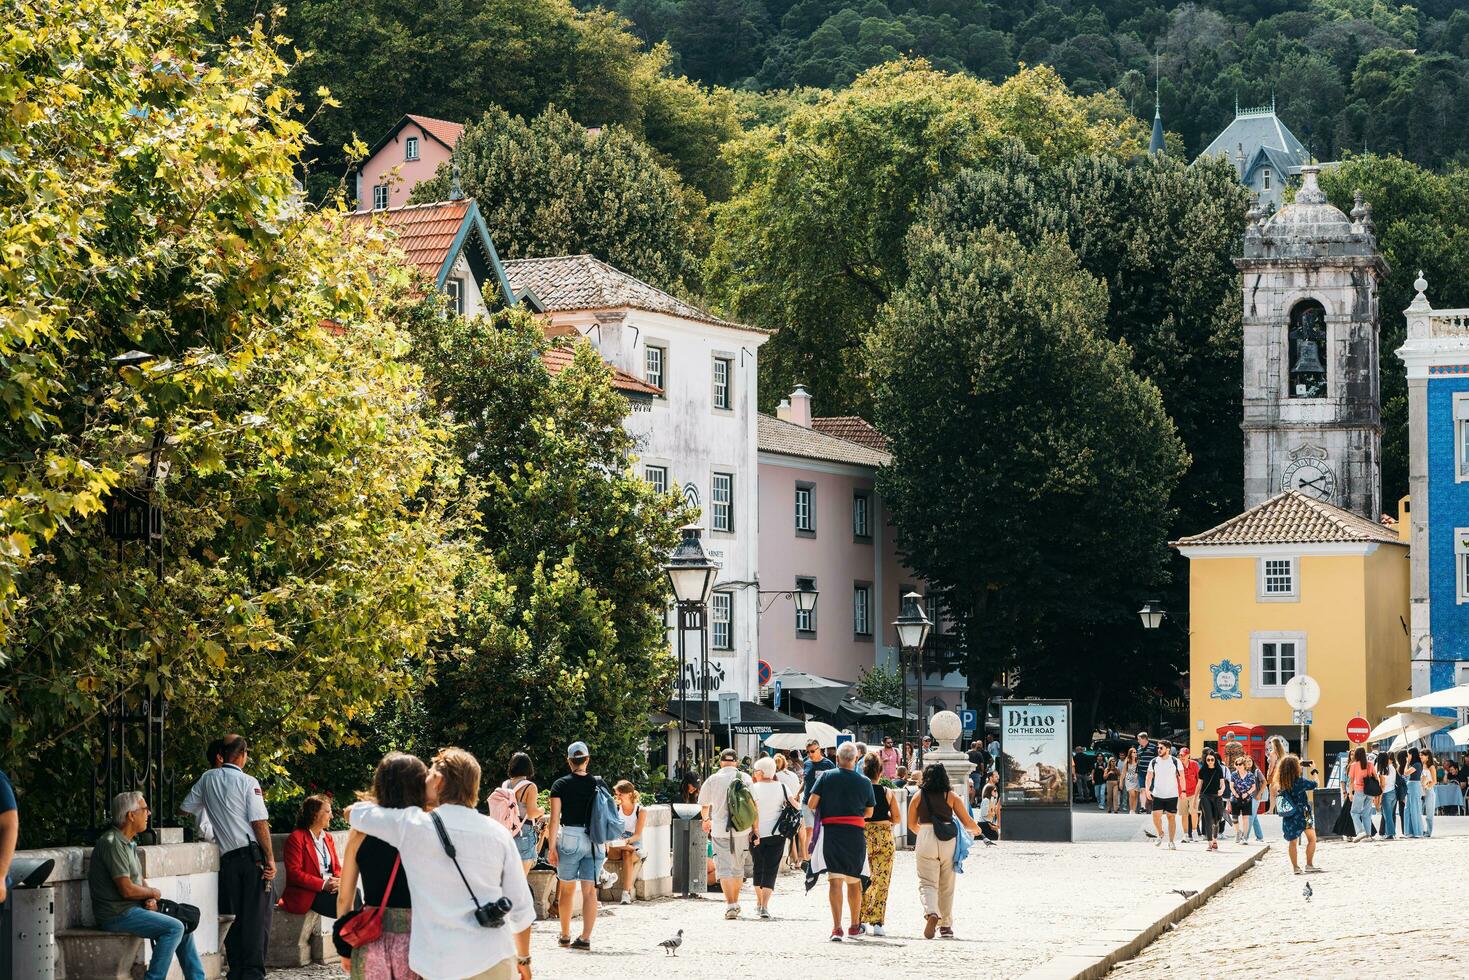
pixel 442 130
pixel 558 358
pixel 790 439
pixel 583 282
pixel 425 232
pixel 1293 518
pixel 853 428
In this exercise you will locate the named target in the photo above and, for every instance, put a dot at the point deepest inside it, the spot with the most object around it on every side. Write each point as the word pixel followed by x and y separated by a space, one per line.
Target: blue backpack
pixel 605 824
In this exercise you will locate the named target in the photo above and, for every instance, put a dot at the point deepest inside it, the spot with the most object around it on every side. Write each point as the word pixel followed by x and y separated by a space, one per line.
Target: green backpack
pixel 741 805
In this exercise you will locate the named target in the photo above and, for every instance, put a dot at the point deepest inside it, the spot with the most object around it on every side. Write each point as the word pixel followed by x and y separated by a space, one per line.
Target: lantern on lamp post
pixel 691 574
pixel 912 626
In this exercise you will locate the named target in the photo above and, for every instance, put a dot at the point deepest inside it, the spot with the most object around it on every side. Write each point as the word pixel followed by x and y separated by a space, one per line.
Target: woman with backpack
pixel 880 847
pixel 1293 803
pixel 516 804
pixel 934 812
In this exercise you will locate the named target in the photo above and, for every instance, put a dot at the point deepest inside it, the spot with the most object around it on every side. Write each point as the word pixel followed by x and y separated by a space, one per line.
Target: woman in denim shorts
pixel 528 803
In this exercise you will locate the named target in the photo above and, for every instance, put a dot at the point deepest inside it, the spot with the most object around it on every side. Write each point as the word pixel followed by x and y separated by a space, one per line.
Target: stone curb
pixel 1095 957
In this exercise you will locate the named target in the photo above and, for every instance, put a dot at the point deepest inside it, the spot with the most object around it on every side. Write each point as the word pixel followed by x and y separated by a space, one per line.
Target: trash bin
pixel 690 844
pixel 30 923
pixel 1327 806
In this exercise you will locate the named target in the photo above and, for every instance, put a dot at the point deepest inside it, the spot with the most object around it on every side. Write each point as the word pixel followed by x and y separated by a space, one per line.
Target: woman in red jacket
pixel 312 869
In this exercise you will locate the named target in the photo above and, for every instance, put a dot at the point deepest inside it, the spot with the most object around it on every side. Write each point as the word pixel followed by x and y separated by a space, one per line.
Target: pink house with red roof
pixel 410 152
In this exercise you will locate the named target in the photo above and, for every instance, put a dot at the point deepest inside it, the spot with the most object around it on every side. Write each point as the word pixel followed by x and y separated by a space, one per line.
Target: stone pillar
pixel 946 728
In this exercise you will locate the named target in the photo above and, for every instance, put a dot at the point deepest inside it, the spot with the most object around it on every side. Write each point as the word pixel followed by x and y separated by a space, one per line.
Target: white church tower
pixel 1312 404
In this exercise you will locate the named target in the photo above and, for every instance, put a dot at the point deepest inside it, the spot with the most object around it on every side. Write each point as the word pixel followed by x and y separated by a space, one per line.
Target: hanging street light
pixel 1152 614
pixel 912 626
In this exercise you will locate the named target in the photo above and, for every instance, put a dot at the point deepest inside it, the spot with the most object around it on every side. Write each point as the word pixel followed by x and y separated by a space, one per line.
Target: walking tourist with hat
pixel 234 806
pixel 577 860
pixel 772 800
pixel 725 827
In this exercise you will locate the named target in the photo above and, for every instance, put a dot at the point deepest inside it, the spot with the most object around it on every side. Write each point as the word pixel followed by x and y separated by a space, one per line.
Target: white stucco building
pixel 698 435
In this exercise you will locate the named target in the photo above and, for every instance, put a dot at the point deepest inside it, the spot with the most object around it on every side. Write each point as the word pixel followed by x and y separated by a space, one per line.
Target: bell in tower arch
pixel 1308 359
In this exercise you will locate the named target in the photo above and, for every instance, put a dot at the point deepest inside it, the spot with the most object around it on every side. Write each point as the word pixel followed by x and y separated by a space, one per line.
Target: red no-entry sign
pixel 1358 730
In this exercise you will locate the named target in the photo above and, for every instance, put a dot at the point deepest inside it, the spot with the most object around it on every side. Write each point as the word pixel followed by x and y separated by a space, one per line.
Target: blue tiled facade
pixel 1448 508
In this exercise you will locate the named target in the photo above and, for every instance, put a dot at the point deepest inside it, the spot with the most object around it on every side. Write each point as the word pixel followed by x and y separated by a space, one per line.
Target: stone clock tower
pixel 1312 405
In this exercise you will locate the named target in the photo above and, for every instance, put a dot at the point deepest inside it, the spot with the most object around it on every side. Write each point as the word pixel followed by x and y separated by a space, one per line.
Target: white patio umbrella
pixel 1452 697
pixel 819 730
pixel 1407 727
pixel 1460 735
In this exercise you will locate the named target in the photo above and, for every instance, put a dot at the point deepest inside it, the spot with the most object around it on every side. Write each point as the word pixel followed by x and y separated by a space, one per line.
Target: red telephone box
pixel 1252 737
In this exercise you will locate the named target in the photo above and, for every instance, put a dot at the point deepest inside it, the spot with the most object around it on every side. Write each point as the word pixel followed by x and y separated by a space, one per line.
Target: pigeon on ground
pixel 1184 892
pixel 1307 891
pixel 673 944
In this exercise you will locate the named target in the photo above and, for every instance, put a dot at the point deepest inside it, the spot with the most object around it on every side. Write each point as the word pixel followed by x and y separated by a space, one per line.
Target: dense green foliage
pixel 1002 397
pixel 548 187
pixel 570 643
pixel 1422 223
pixel 313 513
pixel 811 241
pixel 1347 74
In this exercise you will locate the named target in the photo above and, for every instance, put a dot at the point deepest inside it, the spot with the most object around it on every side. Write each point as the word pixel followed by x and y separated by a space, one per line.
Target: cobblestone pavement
pixel 1016 906
pixel 1407 896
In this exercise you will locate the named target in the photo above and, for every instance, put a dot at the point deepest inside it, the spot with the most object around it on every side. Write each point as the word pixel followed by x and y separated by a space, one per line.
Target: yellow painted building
pixel 1295 585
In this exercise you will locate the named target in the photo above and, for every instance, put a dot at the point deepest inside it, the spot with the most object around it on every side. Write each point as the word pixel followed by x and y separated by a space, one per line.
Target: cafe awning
pixel 755 719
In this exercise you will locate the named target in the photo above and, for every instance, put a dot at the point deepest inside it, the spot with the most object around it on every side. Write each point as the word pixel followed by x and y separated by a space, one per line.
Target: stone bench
pixel 95 954
pixel 291 938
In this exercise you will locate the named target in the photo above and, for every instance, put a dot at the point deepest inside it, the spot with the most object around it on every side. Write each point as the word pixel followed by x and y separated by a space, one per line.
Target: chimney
pixel 783 410
pixel 800 412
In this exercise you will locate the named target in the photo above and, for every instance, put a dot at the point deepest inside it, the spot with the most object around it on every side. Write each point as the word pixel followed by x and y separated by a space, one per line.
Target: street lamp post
pixel 691 574
pixel 137 515
pixel 912 626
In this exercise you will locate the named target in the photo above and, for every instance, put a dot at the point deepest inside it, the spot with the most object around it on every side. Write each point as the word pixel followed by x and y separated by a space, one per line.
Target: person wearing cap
pixel 730 846
pixel 576 859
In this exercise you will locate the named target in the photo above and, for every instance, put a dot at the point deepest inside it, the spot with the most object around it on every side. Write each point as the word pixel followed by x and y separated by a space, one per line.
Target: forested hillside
pixel 1347 74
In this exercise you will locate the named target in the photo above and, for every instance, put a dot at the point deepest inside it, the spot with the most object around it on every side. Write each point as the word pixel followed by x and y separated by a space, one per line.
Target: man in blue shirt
pixel 1147 751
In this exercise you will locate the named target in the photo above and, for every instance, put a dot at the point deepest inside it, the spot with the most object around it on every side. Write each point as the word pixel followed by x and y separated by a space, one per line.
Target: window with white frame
pixel 1461 678
pixel 1461 563
pixel 657 476
pixel 410 148
pixel 805 508
pixel 861 515
pixel 1278 579
pixel 455 290
pixel 379 196
pixel 862 609
pixel 723 369
pixel 931 610
pixel 721 610
pixel 805 618
pixel 1461 436
pixel 721 501
pixel 1265 178
pixel 1276 658
pixel 653 358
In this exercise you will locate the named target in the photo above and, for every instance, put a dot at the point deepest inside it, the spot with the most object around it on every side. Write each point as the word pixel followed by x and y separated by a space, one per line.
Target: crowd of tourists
pixel 432 880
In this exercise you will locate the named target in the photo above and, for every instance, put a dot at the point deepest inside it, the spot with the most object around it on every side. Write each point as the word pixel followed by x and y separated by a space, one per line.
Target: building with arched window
pixel 1311 407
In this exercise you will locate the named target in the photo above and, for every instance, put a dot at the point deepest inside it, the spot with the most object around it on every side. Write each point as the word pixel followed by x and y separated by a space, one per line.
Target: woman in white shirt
pixel 447 940
pixel 1387 774
pixel 628 852
pixel 787 777
pixel 770 799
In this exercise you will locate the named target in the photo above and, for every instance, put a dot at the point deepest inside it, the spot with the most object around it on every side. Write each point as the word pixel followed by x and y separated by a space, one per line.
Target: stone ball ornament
pixel 945 727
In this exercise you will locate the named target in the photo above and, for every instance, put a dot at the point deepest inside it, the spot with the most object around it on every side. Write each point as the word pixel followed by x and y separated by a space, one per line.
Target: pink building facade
pixel 410 152
pixel 823 524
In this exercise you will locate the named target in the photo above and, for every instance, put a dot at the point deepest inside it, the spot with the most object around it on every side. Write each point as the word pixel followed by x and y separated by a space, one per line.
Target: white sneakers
pixel 731 911
pixel 627 897
pixel 876 930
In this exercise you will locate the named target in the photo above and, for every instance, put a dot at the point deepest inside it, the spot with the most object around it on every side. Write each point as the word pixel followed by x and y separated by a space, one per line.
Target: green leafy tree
pixel 1161 235
pixel 313 514
pixel 1005 403
pixel 811 242
pixel 549 187
pixel 1422 221
pixel 570 642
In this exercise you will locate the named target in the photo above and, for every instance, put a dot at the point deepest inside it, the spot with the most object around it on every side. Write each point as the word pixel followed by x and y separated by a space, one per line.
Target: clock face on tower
pixel 1311 477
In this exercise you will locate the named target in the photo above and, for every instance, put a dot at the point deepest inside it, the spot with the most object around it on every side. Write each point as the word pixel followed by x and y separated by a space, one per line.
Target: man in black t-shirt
pixel 843 799
pixel 576 859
